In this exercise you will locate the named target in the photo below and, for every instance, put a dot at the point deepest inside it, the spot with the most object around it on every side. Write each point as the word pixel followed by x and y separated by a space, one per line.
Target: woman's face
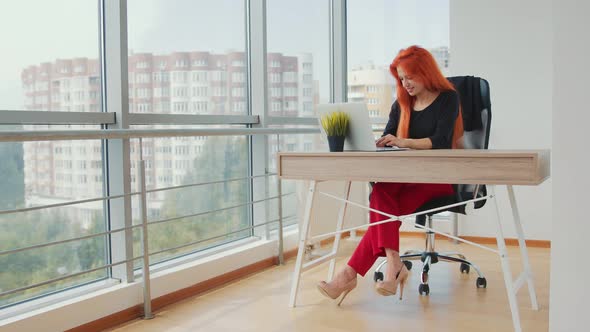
pixel 413 87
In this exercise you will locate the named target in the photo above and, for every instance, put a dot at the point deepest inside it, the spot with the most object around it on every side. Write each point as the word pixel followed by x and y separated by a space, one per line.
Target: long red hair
pixel 421 65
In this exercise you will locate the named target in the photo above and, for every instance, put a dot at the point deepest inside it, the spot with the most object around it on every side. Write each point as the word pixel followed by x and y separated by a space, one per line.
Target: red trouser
pixel 397 199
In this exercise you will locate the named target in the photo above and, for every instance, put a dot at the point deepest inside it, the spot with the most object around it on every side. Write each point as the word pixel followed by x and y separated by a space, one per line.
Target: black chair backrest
pixel 476 135
pixel 476 138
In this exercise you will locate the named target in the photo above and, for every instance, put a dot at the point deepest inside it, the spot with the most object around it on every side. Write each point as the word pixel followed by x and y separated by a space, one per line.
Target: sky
pixel 36 31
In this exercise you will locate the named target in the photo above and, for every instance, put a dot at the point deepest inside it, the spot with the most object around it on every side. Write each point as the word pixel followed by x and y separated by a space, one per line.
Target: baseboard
pixel 476 239
pixel 330 240
pixel 480 239
pixel 109 321
pixel 509 241
pixel 290 254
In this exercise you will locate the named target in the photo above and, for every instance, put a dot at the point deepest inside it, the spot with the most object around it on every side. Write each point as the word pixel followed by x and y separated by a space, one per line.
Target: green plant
pixel 335 123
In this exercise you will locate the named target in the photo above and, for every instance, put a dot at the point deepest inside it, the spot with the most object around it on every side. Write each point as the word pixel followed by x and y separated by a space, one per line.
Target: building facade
pixel 176 83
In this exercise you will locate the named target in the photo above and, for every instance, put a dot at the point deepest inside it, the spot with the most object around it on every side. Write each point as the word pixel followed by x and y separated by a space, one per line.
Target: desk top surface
pixel 518 167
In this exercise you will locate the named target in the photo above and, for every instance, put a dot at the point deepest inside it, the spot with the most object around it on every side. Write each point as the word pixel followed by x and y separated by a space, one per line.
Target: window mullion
pixel 259 155
pixel 116 99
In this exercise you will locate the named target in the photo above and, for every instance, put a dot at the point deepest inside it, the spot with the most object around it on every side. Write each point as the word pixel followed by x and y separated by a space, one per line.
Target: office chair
pixel 475 138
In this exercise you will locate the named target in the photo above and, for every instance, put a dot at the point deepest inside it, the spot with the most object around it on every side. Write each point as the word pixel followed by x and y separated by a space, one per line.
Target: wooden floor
pixel 259 302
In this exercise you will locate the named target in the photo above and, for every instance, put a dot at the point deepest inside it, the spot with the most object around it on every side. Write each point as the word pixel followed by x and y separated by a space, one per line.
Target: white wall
pixel 509 44
pixel 571 180
pixel 535 55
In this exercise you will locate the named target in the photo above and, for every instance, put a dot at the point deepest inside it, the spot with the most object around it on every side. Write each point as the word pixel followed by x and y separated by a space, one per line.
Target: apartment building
pixel 176 83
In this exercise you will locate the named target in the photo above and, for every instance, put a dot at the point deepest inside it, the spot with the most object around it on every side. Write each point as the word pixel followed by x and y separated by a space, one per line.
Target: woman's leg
pixel 417 194
pixel 384 197
pixel 383 240
pixel 414 195
pixel 394 263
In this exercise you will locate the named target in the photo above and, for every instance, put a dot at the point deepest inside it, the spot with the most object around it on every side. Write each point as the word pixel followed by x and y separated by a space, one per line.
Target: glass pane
pixel 377 30
pixel 298 56
pixel 291 189
pixel 43 173
pixel 62 171
pixel 51 62
pixel 187 56
pixel 192 160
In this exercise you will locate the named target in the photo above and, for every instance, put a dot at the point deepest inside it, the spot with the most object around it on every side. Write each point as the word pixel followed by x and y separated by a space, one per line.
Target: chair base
pixel 429 257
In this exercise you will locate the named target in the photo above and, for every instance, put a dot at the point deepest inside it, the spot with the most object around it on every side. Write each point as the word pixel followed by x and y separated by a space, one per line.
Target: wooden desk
pixel 431 166
pixel 490 167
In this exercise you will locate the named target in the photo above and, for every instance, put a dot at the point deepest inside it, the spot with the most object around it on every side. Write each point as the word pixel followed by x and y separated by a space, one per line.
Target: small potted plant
pixel 335 125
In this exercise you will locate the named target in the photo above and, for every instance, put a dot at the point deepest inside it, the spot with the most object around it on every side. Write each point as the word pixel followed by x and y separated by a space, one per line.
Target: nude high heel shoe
pixel 389 287
pixel 335 292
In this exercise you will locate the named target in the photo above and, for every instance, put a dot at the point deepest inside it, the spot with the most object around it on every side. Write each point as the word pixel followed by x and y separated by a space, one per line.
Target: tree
pixel 37 265
pixel 12 184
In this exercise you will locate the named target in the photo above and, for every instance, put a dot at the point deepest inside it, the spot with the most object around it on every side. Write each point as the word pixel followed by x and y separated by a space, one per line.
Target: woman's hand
pixel 390 140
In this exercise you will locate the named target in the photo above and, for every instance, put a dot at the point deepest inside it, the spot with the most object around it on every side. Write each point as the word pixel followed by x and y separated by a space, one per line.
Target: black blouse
pixel 435 121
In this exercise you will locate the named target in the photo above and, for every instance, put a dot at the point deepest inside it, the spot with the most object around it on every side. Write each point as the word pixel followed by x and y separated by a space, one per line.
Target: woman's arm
pixel 391 127
pixel 412 143
pixel 416 143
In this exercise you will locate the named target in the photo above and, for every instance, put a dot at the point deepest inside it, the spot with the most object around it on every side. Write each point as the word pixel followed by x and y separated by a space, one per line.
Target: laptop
pixel 360 135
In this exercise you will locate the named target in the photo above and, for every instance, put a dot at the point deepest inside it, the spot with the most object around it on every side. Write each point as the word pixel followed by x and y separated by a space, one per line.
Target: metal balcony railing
pixel 15 136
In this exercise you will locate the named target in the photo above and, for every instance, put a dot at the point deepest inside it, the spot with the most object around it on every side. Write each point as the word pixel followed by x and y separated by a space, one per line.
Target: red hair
pixel 421 65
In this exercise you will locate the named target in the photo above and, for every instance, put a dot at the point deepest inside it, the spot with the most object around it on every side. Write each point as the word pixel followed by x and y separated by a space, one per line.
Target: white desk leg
pixel 339 225
pixel 523 249
pixel 505 264
pixel 303 233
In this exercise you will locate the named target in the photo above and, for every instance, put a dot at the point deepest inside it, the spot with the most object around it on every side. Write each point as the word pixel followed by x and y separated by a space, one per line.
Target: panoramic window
pixel 49 66
pixel 376 31
pixel 192 218
pixel 298 64
pixel 187 57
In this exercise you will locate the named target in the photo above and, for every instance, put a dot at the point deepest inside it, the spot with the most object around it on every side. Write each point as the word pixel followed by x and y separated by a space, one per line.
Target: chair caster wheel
pixel 378 276
pixel 408 265
pixel 424 289
pixel 464 268
pixel 481 283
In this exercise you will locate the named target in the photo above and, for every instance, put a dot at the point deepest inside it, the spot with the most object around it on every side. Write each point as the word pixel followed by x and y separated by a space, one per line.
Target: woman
pixel 425 116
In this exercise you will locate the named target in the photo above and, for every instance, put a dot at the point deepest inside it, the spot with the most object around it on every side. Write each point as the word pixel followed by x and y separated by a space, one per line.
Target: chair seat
pixel 443 201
